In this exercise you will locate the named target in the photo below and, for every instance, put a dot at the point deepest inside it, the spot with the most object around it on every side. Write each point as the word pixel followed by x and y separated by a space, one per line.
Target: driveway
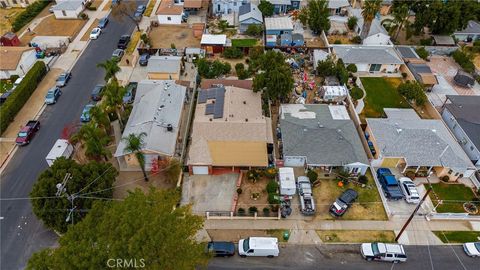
pixel 209 192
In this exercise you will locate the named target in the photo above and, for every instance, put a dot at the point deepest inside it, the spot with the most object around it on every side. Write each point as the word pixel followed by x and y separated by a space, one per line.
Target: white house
pixel 372 59
pixel 227 6
pixel 16 3
pixel 68 9
pixel 169 13
pixel 16 61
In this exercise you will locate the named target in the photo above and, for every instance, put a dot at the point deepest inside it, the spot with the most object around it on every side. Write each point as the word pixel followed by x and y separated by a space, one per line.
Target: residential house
pixel 227 6
pixel 275 27
pixel 192 54
pixel 16 61
pixel 462 116
pixel 377 35
pixel 192 4
pixel 406 141
pixel 229 131
pixel 283 6
pixel 213 44
pixel 338 7
pixel 470 33
pixel 249 14
pixel 373 59
pixel 212 83
pixel 16 3
pixel 157 111
pixel 164 67
pixel 418 67
pixel 169 13
pixel 322 136
pixel 68 9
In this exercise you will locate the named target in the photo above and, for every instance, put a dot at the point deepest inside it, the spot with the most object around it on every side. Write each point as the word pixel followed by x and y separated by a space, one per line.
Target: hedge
pixel 21 94
pixel 29 14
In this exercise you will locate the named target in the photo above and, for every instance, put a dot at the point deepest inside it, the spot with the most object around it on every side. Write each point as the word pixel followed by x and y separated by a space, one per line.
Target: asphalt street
pixel 337 257
pixel 21 232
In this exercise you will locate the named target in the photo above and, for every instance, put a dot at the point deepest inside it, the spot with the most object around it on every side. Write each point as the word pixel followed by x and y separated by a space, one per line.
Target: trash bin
pixel 286 235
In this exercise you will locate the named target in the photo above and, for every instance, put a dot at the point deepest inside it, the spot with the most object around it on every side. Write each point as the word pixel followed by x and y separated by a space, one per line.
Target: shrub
pixel 410 174
pixel 272 186
pixel 404 75
pixel 445 178
pixel 84 16
pixel 242 74
pixel 270 172
pixel 254 30
pixel 266 211
pixel 210 70
pixel 241 211
pixel 272 198
pixel 337 41
pixel 253 175
pixel 252 209
pixel 426 42
pixel 352 68
pixel 463 59
pixel 239 191
pixel 356 93
pixel 352 21
pixel 422 53
pixel 312 176
pixel 356 40
pixel 232 53
pixel 363 179
pixel 22 93
pixel 413 92
pixel 28 14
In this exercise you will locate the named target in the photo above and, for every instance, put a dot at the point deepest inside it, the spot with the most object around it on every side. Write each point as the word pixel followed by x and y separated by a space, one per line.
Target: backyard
pixel 458 236
pixel 368 205
pixel 336 236
pixel 381 93
pixel 453 196
pixel 53 27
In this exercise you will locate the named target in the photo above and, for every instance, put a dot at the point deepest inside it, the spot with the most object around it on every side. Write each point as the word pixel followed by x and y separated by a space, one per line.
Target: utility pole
pixel 61 189
pixel 413 214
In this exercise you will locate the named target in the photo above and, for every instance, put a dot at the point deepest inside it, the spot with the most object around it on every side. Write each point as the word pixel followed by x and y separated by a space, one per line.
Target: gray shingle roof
pixel 466 109
pixel 248 11
pixel 68 5
pixel 407 52
pixel 422 142
pixel 473 27
pixel 157 104
pixel 319 137
pixel 367 54
pixel 278 23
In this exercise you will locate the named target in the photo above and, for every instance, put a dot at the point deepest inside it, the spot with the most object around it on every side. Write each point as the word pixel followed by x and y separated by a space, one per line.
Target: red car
pixel 27 132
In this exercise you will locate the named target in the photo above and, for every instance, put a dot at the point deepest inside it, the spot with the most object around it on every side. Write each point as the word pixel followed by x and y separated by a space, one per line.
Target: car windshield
pixel 375 248
pixel 50 95
pixel 477 246
pixel 94 31
pixel 246 245
pixel 22 134
pixel 61 77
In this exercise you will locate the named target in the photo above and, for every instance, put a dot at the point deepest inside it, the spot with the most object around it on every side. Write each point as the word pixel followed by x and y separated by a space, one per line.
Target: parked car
pixel 85 116
pixel 103 22
pixel 52 95
pixel 123 42
pixel 389 184
pixel 341 204
pixel 144 59
pixel 63 79
pixel 307 204
pixel 409 190
pixel 137 16
pixel 383 252
pixel 118 54
pixel 472 249
pixel 221 249
pixel 27 132
pixel 258 246
pixel 5 96
pixel 95 33
pixel 130 92
pixel 97 92
pixel 141 9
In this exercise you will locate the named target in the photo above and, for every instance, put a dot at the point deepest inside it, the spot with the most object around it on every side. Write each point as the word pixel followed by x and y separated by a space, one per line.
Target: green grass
pixel 450 193
pixel 247 42
pixel 381 93
pixel 457 236
pixel 356 93
pixel 338 236
pixel 7 84
pixel 278 233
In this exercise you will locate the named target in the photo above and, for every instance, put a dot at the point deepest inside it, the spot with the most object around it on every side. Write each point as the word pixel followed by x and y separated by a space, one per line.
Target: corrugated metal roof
pixel 278 23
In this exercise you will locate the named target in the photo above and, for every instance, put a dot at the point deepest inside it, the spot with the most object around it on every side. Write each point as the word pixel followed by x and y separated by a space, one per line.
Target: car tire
pixel 369 259
pixel 270 256
pixel 243 256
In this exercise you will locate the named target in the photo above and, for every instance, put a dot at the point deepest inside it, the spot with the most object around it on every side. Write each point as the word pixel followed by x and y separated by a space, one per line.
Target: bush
pixel 463 59
pixel 272 186
pixel 352 21
pixel 312 176
pixel 356 40
pixel 422 53
pixel 239 191
pixel 242 74
pixel 252 210
pixel 232 53
pixel 254 30
pixel 270 172
pixel 210 70
pixel 356 93
pixel 266 211
pixel 426 42
pixel 410 174
pixel 352 68
pixel 272 198
pixel 22 93
pixel 241 211
pixel 28 14
pixel 84 16
pixel 445 178
pixel 404 75
pixel 413 92
pixel 338 41
pixel 363 179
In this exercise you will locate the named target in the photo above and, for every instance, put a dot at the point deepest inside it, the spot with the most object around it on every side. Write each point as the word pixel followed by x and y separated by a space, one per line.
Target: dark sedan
pixel 97 92
pixel 123 42
pixel 143 61
pixel 221 249
pixel 103 23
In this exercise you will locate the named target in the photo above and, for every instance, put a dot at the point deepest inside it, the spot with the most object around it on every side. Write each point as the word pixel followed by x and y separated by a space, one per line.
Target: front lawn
pixel 381 93
pixel 457 236
pixel 337 236
pixel 244 43
pixel 453 196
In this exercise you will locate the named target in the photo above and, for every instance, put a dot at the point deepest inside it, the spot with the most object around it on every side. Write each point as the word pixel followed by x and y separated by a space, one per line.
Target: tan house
pixel 164 67
pixel 16 61
pixel 229 131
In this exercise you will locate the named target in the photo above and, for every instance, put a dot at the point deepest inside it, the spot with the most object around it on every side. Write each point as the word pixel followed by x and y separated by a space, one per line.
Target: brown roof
pixel 245 84
pixel 428 78
pixel 10 57
pixel 192 3
pixel 167 7
pixel 225 153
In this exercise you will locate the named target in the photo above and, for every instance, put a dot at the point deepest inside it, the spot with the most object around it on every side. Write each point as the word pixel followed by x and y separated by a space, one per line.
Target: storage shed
pixel 9 39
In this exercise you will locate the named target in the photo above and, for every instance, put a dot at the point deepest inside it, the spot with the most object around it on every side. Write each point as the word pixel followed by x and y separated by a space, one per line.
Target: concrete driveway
pixel 209 192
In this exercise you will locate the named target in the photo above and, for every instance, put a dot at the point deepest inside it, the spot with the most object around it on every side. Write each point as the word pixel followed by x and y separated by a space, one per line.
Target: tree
pixel 352 21
pixel 100 118
pixel 134 145
pixel 463 58
pixel 242 74
pixel 341 72
pixel 232 53
pixel 413 91
pixel 149 229
pixel 125 9
pixel 352 68
pixel 210 70
pixel 266 8
pixel 92 178
pixel 111 68
pixel 113 99
pixel 422 53
pixel 400 17
pixel 326 67
pixel 95 140
pixel 254 30
pixel 171 169
pixel 370 9
pixel 318 14
pixel 274 78
pixel 223 25
pixel 303 15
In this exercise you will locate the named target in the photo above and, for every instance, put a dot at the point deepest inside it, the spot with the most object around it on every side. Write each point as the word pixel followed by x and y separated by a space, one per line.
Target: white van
pixel 383 252
pixel 258 246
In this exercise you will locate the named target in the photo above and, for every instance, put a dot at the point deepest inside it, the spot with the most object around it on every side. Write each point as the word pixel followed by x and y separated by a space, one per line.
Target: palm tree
pixel 134 144
pixel 111 68
pixel 94 139
pixel 113 99
pixel 370 9
pixel 400 17
pixel 99 117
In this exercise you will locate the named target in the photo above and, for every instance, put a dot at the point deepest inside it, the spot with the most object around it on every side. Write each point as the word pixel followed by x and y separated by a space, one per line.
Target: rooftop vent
pixel 169 127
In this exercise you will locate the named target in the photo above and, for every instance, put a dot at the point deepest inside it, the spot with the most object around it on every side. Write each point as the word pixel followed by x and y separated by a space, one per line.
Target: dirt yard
pixel 249 190
pixel 53 27
pixel 6 18
pixel 235 235
pixel 182 36
pixel 356 236
pixel 129 181
pixel 86 36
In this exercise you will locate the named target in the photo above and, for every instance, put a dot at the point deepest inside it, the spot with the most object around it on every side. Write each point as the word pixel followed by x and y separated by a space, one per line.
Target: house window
pixel 355 170
pixel 218 8
pixel 337 11
pixel 169 18
pixel 64 13
pixel 450 171
pixel 375 67
pixel 456 174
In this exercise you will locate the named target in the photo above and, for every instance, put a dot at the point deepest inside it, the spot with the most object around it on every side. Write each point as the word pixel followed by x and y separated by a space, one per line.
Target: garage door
pixel 390 162
pixel 200 169
pixel 294 161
